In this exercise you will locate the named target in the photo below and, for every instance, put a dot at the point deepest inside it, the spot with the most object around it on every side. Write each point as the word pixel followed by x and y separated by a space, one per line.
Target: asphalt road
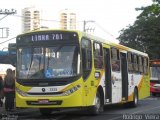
pixel 148 109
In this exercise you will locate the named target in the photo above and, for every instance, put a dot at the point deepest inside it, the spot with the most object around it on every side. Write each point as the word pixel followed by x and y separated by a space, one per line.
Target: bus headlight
pixel 21 92
pixel 72 90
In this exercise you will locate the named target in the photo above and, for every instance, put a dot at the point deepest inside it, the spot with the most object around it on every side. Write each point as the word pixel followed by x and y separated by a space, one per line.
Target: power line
pixel 103 29
pixel 7 40
pixel 3 17
pixel 94 23
pixel 7 12
pixel 39 19
pixel 45 19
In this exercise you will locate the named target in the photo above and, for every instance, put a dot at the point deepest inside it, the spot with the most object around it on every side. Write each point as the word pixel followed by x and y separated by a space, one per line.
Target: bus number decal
pixel 53 89
pixel 57 36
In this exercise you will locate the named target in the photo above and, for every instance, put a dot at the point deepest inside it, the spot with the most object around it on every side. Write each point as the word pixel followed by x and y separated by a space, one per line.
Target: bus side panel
pixel 142 83
pixel 144 88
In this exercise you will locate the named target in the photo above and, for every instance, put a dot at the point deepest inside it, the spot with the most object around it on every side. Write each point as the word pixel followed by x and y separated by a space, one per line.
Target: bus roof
pixel 117 45
pixel 92 37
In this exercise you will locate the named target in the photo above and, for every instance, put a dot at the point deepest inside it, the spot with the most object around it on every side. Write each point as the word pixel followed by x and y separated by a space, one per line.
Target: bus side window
pixel 115 59
pixel 130 62
pixel 86 57
pixel 135 61
pixel 145 61
pixel 98 55
pixel 140 64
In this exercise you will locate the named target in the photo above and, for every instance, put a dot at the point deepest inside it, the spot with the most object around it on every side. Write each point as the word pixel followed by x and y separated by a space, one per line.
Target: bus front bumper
pixel 73 100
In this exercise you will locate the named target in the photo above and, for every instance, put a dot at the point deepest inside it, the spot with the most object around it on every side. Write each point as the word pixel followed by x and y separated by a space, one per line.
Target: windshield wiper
pixel 32 51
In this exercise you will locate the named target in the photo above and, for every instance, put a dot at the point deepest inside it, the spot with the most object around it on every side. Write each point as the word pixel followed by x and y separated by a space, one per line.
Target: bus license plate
pixel 43 101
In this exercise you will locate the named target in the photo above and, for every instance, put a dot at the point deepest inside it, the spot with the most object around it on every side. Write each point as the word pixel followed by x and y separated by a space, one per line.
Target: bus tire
pixel 45 111
pixel 134 103
pixel 98 107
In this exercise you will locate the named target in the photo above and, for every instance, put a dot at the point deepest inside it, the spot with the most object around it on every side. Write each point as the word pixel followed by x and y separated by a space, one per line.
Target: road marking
pixel 140 111
pixel 146 110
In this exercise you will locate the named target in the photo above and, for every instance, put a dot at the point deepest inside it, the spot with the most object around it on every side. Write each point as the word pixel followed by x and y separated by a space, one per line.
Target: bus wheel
pixel 98 107
pixel 45 111
pixel 134 103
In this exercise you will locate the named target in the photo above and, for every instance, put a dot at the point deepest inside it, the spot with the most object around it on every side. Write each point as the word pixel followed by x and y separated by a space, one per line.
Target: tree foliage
pixel 144 34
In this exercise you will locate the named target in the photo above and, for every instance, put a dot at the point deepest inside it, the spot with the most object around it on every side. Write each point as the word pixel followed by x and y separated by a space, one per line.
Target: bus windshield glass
pixel 48 62
pixel 155 72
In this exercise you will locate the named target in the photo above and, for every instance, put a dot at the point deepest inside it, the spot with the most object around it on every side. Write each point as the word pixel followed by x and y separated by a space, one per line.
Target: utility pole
pixel 84 24
pixel 4 31
pixel 7 12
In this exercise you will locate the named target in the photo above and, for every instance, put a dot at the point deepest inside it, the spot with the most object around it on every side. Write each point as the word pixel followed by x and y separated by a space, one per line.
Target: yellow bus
pixel 58 69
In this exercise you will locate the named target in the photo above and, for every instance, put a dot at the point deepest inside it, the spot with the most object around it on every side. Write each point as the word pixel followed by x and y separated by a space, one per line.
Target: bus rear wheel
pixel 45 111
pixel 134 103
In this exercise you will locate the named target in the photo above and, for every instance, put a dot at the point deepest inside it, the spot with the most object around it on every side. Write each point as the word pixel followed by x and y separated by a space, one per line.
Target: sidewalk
pixel 16 110
pixel 16 114
pixel 7 115
pixel 2 109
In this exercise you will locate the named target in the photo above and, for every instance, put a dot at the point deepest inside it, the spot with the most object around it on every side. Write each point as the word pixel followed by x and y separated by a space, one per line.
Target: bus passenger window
pixel 130 62
pixel 140 64
pixel 115 66
pixel 98 56
pixel 135 60
pixel 145 66
pixel 115 59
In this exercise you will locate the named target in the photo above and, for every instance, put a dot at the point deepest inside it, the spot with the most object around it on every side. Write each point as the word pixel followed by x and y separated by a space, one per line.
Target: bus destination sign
pixel 47 37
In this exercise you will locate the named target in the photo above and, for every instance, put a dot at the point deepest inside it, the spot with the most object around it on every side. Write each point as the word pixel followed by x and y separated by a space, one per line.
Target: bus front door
pixel 108 84
pixel 124 70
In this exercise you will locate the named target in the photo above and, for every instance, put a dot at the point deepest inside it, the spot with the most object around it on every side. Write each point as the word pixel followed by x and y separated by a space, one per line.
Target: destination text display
pixel 47 37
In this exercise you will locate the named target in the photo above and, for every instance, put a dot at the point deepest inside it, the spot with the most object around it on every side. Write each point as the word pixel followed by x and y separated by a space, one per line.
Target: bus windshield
pixel 155 72
pixel 48 62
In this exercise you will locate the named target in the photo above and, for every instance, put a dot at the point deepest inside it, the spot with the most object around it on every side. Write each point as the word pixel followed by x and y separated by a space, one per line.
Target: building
pixel 31 19
pixel 67 19
pixel 3 69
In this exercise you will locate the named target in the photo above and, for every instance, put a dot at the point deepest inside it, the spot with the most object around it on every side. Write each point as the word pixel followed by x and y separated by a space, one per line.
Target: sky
pixel 110 16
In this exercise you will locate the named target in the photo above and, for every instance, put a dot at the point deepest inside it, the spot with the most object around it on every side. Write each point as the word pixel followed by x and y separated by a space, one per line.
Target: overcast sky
pixel 110 15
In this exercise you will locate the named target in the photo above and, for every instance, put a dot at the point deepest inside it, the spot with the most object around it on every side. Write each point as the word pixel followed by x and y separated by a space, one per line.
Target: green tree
pixel 144 34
